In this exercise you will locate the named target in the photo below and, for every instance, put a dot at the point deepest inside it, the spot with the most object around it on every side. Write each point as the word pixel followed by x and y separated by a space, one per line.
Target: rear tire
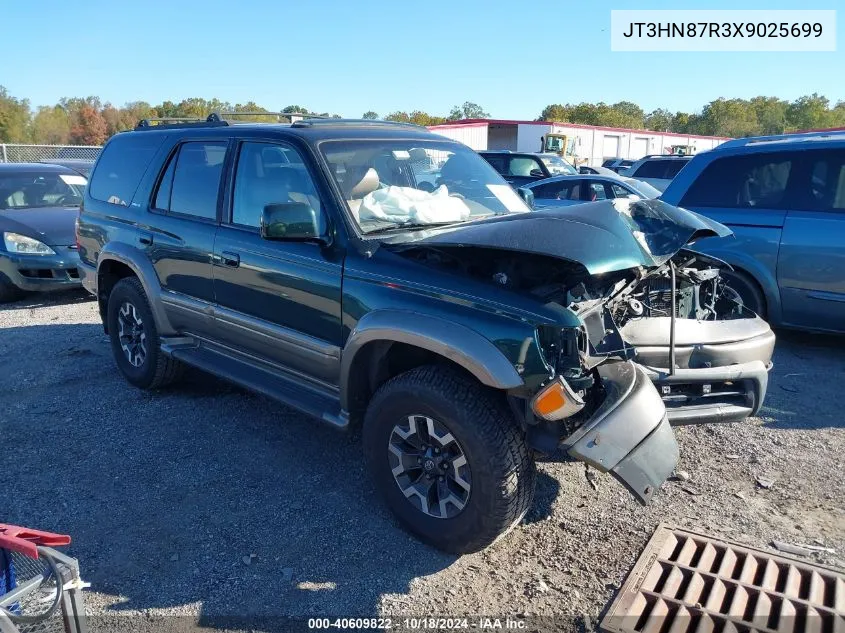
pixel 8 291
pixel 748 290
pixel 494 472
pixel 134 338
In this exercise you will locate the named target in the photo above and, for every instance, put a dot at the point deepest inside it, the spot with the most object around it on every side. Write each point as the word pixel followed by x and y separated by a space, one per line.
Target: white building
pixel 593 144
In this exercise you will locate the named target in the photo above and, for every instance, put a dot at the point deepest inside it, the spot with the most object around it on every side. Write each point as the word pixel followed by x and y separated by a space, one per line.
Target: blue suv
pixel 784 198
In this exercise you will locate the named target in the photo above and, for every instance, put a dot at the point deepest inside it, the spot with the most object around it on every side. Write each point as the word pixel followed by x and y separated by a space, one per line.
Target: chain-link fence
pixel 13 153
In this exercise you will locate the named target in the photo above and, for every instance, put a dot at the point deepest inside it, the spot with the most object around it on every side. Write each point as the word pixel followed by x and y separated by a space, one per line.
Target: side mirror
pixel 537 173
pixel 527 196
pixel 291 222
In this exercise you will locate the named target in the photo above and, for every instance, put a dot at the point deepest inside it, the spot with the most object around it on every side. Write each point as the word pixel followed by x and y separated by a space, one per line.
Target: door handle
pixel 230 259
pixel 146 239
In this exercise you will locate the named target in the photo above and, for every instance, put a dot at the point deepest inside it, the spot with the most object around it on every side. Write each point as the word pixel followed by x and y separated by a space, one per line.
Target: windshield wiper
pixel 408 225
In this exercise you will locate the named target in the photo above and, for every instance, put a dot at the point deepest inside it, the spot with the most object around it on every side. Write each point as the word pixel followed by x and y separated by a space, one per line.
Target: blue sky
pixel 513 58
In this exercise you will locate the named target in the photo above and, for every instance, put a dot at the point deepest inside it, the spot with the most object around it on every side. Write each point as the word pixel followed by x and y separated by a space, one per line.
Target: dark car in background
pixel 80 165
pixel 521 168
pixel 784 198
pixel 39 204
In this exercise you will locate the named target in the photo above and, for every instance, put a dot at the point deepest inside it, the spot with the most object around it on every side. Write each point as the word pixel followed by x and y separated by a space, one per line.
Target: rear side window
pixel 742 182
pixel 558 190
pixel 826 190
pixel 499 163
pixel 674 167
pixel 651 169
pixel 191 182
pixel 122 165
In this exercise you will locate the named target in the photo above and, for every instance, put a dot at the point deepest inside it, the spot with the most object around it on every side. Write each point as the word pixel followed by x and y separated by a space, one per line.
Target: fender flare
pixel 454 341
pixel 140 264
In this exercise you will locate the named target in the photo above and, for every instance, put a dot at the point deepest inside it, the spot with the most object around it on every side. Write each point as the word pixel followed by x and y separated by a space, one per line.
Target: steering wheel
pixel 425 186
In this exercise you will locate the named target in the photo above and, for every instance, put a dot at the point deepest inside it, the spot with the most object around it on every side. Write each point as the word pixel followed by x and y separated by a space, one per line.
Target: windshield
pixel 391 184
pixel 558 166
pixel 30 190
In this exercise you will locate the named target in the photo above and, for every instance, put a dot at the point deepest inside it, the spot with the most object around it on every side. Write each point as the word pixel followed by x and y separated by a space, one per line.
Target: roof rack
pixel 308 122
pixel 221 116
pixel 175 122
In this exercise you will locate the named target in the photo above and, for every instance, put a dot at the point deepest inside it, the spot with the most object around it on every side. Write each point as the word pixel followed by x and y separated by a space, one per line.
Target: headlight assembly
pixel 24 245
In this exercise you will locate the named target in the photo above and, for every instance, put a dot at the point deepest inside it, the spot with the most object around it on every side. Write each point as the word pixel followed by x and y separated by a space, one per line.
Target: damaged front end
pixel 661 338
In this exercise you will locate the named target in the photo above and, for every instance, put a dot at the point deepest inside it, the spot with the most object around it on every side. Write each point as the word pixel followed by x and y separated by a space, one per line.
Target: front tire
pixel 8 291
pixel 433 420
pixel 134 338
pixel 748 290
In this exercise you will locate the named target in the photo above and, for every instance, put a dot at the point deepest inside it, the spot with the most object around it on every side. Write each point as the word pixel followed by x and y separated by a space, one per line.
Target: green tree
pixel 809 113
pixel 14 118
pixel 555 112
pixel 771 114
pixel 295 108
pixel 659 120
pixel 369 114
pixel 468 110
pixel 50 126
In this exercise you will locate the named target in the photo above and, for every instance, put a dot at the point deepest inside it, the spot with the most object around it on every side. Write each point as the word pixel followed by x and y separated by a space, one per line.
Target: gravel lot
pixel 207 501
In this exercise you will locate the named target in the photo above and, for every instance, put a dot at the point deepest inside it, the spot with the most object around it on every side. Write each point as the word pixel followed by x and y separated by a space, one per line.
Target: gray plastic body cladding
pixel 754 375
pixel 630 413
pixel 456 342
pixel 645 468
pixel 143 269
pixel 701 343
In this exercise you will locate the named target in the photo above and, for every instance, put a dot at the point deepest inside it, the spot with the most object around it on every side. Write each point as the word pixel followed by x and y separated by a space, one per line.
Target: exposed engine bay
pixel 613 305
pixel 605 302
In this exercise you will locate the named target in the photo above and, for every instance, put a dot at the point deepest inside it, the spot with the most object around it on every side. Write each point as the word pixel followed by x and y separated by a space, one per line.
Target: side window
pixel 597 191
pixel 673 167
pixel 121 166
pixel 523 166
pixel 191 182
pixel 742 182
pixel 548 191
pixel 260 179
pixel 651 169
pixel 620 192
pixel 827 182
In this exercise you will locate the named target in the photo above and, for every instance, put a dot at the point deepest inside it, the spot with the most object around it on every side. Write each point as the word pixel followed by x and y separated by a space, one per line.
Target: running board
pixel 260 377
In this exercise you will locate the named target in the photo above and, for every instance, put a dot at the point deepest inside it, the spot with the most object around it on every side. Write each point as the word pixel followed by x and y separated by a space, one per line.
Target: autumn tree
pixel 88 127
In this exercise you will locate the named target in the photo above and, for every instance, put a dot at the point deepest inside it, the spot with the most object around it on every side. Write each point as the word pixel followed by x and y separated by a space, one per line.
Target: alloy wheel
pixel 133 338
pixel 429 466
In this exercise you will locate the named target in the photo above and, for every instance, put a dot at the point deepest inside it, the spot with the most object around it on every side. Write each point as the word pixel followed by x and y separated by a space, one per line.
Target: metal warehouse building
pixel 592 144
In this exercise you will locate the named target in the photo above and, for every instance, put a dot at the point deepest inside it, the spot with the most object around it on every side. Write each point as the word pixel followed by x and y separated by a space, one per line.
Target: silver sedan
pixel 563 191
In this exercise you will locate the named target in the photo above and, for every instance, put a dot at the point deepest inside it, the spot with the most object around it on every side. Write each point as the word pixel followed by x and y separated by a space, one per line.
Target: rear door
pixel 182 226
pixel 747 193
pixel 559 193
pixel 811 264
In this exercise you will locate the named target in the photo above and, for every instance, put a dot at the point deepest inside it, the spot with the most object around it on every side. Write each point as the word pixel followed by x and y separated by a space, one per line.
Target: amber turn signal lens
pixel 556 401
pixel 550 400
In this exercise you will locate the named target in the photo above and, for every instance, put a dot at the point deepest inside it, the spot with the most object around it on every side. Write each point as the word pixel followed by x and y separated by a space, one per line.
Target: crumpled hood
pixel 602 236
pixel 52 225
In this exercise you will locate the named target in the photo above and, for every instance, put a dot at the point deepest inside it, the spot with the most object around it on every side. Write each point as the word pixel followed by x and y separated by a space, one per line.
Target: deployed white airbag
pixel 406 204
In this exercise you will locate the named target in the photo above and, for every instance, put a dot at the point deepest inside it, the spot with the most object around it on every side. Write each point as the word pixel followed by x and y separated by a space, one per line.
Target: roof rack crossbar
pixel 154 123
pixel 222 115
pixel 333 121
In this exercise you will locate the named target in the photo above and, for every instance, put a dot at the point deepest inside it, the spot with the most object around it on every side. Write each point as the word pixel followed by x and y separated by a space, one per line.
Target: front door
pixel 279 301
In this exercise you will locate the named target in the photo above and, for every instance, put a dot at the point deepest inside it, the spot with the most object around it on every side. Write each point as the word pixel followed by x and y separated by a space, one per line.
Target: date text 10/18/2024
pixel 419 623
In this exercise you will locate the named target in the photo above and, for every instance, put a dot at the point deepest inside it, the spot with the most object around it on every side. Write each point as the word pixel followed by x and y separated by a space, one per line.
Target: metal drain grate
pixel 690 583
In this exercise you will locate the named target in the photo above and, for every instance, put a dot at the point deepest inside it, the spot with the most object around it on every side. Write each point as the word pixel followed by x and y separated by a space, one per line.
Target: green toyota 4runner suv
pixel 376 274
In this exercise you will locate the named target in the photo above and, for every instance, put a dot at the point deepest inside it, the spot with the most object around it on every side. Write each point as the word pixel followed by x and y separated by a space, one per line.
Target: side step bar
pixel 261 377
